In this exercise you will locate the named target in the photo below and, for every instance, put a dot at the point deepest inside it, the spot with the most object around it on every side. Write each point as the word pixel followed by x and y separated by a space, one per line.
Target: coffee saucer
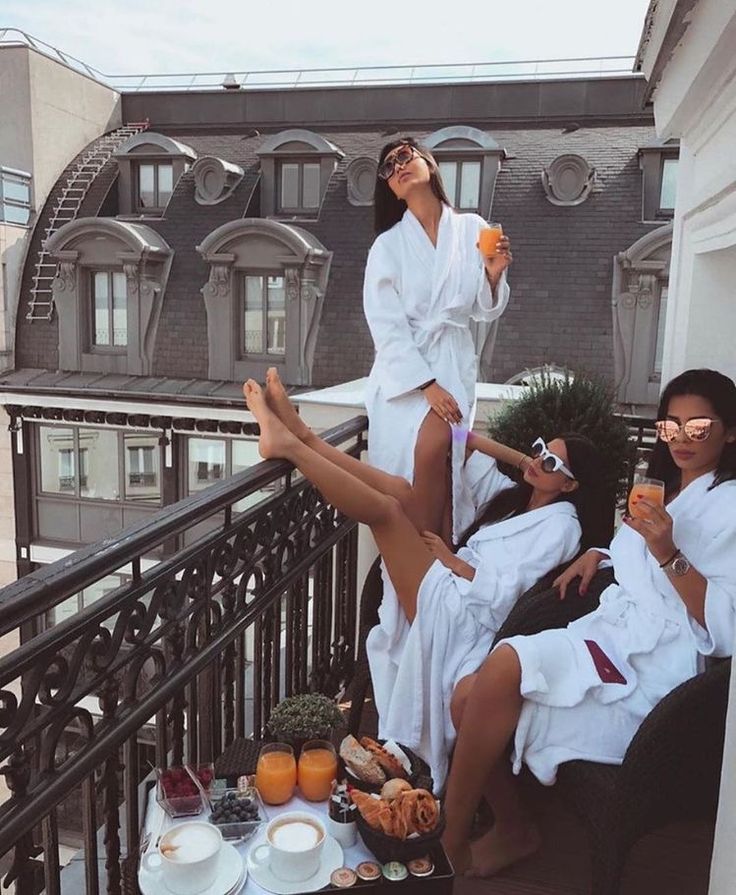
pixel 330 859
pixel 231 875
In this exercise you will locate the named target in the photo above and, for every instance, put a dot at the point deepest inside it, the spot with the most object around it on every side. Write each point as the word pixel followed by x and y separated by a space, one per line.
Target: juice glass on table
pixel 488 238
pixel 317 769
pixel 276 773
pixel 651 490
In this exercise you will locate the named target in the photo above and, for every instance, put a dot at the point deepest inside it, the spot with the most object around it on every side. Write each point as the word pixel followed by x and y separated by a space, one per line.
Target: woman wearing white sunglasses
pixel 450 605
pixel 582 692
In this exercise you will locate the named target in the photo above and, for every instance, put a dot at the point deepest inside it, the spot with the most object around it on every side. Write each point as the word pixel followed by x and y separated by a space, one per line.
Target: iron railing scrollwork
pixel 182 659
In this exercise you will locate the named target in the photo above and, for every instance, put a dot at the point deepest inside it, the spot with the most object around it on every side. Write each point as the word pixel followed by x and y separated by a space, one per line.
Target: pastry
pixel 362 763
pixel 390 764
pixel 393 788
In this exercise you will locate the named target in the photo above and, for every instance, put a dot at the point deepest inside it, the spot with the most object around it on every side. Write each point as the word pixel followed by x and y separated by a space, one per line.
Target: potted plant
pixel 306 716
pixel 556 404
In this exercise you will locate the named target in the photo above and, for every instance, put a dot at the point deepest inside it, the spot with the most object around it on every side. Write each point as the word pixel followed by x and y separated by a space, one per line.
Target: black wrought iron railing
pixel 173 665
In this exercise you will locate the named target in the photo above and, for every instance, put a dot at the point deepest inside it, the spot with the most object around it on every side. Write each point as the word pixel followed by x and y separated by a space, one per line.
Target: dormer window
pixel 668 185
pixel 296 166
pixel 150 166
pixel 155 185
pixel 109 328
pixel 658 162
pixel 264 315
pixel 469 161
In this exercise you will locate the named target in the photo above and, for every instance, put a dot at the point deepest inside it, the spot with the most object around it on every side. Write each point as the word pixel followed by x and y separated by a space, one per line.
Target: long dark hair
pixel 591 501
pixel 720 391
pixel 387 209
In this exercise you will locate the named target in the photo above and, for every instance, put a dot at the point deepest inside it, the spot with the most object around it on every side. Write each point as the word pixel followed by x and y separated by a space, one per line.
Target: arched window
pixel 469 161
pixel 263 299
pixel 296 166
pixel 107 293
pixel 640 283
pixel 150 166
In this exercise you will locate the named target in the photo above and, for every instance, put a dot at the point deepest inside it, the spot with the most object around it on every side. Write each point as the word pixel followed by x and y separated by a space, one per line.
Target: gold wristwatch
pixel 679 566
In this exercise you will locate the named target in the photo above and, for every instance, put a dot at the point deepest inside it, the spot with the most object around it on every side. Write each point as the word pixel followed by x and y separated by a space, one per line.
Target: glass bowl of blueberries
pixel 237 813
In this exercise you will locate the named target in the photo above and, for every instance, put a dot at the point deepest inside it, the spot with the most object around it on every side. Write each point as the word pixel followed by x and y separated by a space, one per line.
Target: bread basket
pixel 419 774
pixel 389 848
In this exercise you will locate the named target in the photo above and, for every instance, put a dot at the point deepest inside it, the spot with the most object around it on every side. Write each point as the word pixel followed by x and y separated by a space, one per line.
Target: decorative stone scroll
pixel 568 180
pixel 361 178
pixel 214 179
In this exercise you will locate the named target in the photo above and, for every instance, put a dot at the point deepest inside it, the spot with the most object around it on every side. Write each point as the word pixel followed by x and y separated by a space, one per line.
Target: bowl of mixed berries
pixel 180 790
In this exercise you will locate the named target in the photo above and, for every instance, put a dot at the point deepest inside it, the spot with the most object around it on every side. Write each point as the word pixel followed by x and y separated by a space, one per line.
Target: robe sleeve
pixel 718 638
pixel 526 557
pixel 483 478
pixel 402 366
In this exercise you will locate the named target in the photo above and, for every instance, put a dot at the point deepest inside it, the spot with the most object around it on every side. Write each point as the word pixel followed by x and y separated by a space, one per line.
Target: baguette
pixel 390 764
pixel 361 762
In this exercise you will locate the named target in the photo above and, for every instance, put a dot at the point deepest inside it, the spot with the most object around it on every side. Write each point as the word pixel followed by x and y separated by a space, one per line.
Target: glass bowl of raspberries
pixel 180 790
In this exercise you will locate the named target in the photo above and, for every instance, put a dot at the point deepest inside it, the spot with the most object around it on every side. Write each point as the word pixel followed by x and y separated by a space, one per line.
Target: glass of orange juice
pixel 488 239
pixel 276 773
pixel 651 490
pixel 317 769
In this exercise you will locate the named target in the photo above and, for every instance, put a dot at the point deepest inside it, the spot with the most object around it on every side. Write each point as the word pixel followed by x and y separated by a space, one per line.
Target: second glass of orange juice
pixel 651 490
pixel 317 769
pixel 488 239
pixel 276 773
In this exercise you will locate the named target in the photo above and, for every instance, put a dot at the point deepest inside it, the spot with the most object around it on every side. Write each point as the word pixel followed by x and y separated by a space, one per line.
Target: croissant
pixel 375 812
pixel 399 825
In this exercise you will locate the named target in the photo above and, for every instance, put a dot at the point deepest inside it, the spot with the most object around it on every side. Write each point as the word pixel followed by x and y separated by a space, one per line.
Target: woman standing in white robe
pixel 425 281
pixel 582 692
pixel 454 603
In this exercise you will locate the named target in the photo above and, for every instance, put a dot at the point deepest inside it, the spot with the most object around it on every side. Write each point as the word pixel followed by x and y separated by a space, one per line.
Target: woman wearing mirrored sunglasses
pixel 425 281
pixel 582 692
pixel 447 606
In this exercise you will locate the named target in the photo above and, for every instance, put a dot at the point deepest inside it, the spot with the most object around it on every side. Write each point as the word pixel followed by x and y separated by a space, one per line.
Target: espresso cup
pixel 294 843
pixel 187 857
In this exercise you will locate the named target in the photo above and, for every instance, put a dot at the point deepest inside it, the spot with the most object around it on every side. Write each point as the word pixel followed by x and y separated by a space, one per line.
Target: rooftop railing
pixel 358 76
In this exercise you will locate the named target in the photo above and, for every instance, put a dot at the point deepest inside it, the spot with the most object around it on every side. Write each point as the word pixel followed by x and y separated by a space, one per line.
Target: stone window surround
pixel 651 164
pixel 145 259
pixel 638 280
pixel 305 263
pixel 147 146
pixel 299 145
pixel 461 143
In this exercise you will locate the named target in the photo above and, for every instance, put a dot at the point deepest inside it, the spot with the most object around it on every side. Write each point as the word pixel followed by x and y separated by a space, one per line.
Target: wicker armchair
pixel 671 770
pixel 370 601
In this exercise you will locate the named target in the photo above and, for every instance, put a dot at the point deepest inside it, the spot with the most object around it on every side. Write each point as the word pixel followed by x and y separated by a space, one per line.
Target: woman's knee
pixel 502 669
pixel 459 699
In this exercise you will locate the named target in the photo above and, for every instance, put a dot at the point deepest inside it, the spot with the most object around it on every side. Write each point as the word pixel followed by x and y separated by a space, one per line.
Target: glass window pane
pixel 289 185
pixel 67 609
pixel 146 194
pixel 98 464
pixel 15 214
pixel 662 317
pixel 142 474
pixel 18 190
pixel 311 189
pixel 448 173
pixel 470 185
pixel 206 462
pixel 56 449
pixel 100 300
pixel 119 309
pixel 165 184
pixel 276 316
pixel 668 191
pixel 245 455
pixel 253 342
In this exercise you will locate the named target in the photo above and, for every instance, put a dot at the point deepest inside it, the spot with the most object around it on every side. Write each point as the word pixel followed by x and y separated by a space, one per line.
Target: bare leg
pixel 431 479
pixel 412 499
pixel 488 719
pixel 406 557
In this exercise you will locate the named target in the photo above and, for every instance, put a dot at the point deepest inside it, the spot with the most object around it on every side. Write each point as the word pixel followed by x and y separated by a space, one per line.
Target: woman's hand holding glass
pixel 654 524
pixel 442 403
pixel 496 263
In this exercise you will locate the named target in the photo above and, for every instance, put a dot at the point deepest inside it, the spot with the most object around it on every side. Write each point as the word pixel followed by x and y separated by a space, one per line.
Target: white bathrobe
pixel 419 301
pixel 415 667
pixel 574 711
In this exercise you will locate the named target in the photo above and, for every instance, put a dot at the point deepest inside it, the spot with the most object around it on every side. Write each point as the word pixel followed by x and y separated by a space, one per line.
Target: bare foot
pixel 459 856
pixel 279 402
pixel 501 848
pixel 275 441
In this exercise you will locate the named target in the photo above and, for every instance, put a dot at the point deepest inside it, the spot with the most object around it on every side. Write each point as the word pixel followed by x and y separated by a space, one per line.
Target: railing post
pixel 111 793
pixel 23 871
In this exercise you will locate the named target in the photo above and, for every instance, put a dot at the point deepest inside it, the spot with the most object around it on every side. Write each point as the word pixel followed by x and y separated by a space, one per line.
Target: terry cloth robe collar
pixel 524 520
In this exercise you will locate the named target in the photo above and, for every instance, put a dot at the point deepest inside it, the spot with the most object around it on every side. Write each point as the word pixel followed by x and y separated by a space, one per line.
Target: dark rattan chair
pixel 671 770
pixel 360 684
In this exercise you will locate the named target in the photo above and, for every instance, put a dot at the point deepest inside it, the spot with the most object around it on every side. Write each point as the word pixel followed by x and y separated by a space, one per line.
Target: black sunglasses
pixel 398 158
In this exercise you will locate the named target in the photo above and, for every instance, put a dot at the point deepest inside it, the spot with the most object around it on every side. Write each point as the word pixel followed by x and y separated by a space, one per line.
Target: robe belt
pixel 428 336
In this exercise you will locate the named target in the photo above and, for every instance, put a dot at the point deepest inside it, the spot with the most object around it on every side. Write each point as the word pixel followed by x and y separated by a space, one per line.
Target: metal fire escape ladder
pixel 81 177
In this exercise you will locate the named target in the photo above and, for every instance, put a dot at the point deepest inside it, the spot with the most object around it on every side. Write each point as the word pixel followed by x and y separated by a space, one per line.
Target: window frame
pixel 301 209
pixel 23 178
pixel 92 345
pixel 155 163
pixel 460 160
pixel 665 211
pixel 242 353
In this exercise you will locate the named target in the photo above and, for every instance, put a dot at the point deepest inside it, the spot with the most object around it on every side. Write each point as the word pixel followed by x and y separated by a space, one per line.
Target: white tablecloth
pixel 158 822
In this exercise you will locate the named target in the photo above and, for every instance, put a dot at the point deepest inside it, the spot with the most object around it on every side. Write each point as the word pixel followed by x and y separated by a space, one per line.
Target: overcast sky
pixel 130 36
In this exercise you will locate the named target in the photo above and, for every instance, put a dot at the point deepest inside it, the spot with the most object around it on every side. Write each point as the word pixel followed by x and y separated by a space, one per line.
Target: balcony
pixel 193 653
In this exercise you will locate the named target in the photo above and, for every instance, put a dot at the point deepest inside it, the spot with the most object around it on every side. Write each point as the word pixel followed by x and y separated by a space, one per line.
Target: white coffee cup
pixel 187 857
pixel 346 834
pixel 293 846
